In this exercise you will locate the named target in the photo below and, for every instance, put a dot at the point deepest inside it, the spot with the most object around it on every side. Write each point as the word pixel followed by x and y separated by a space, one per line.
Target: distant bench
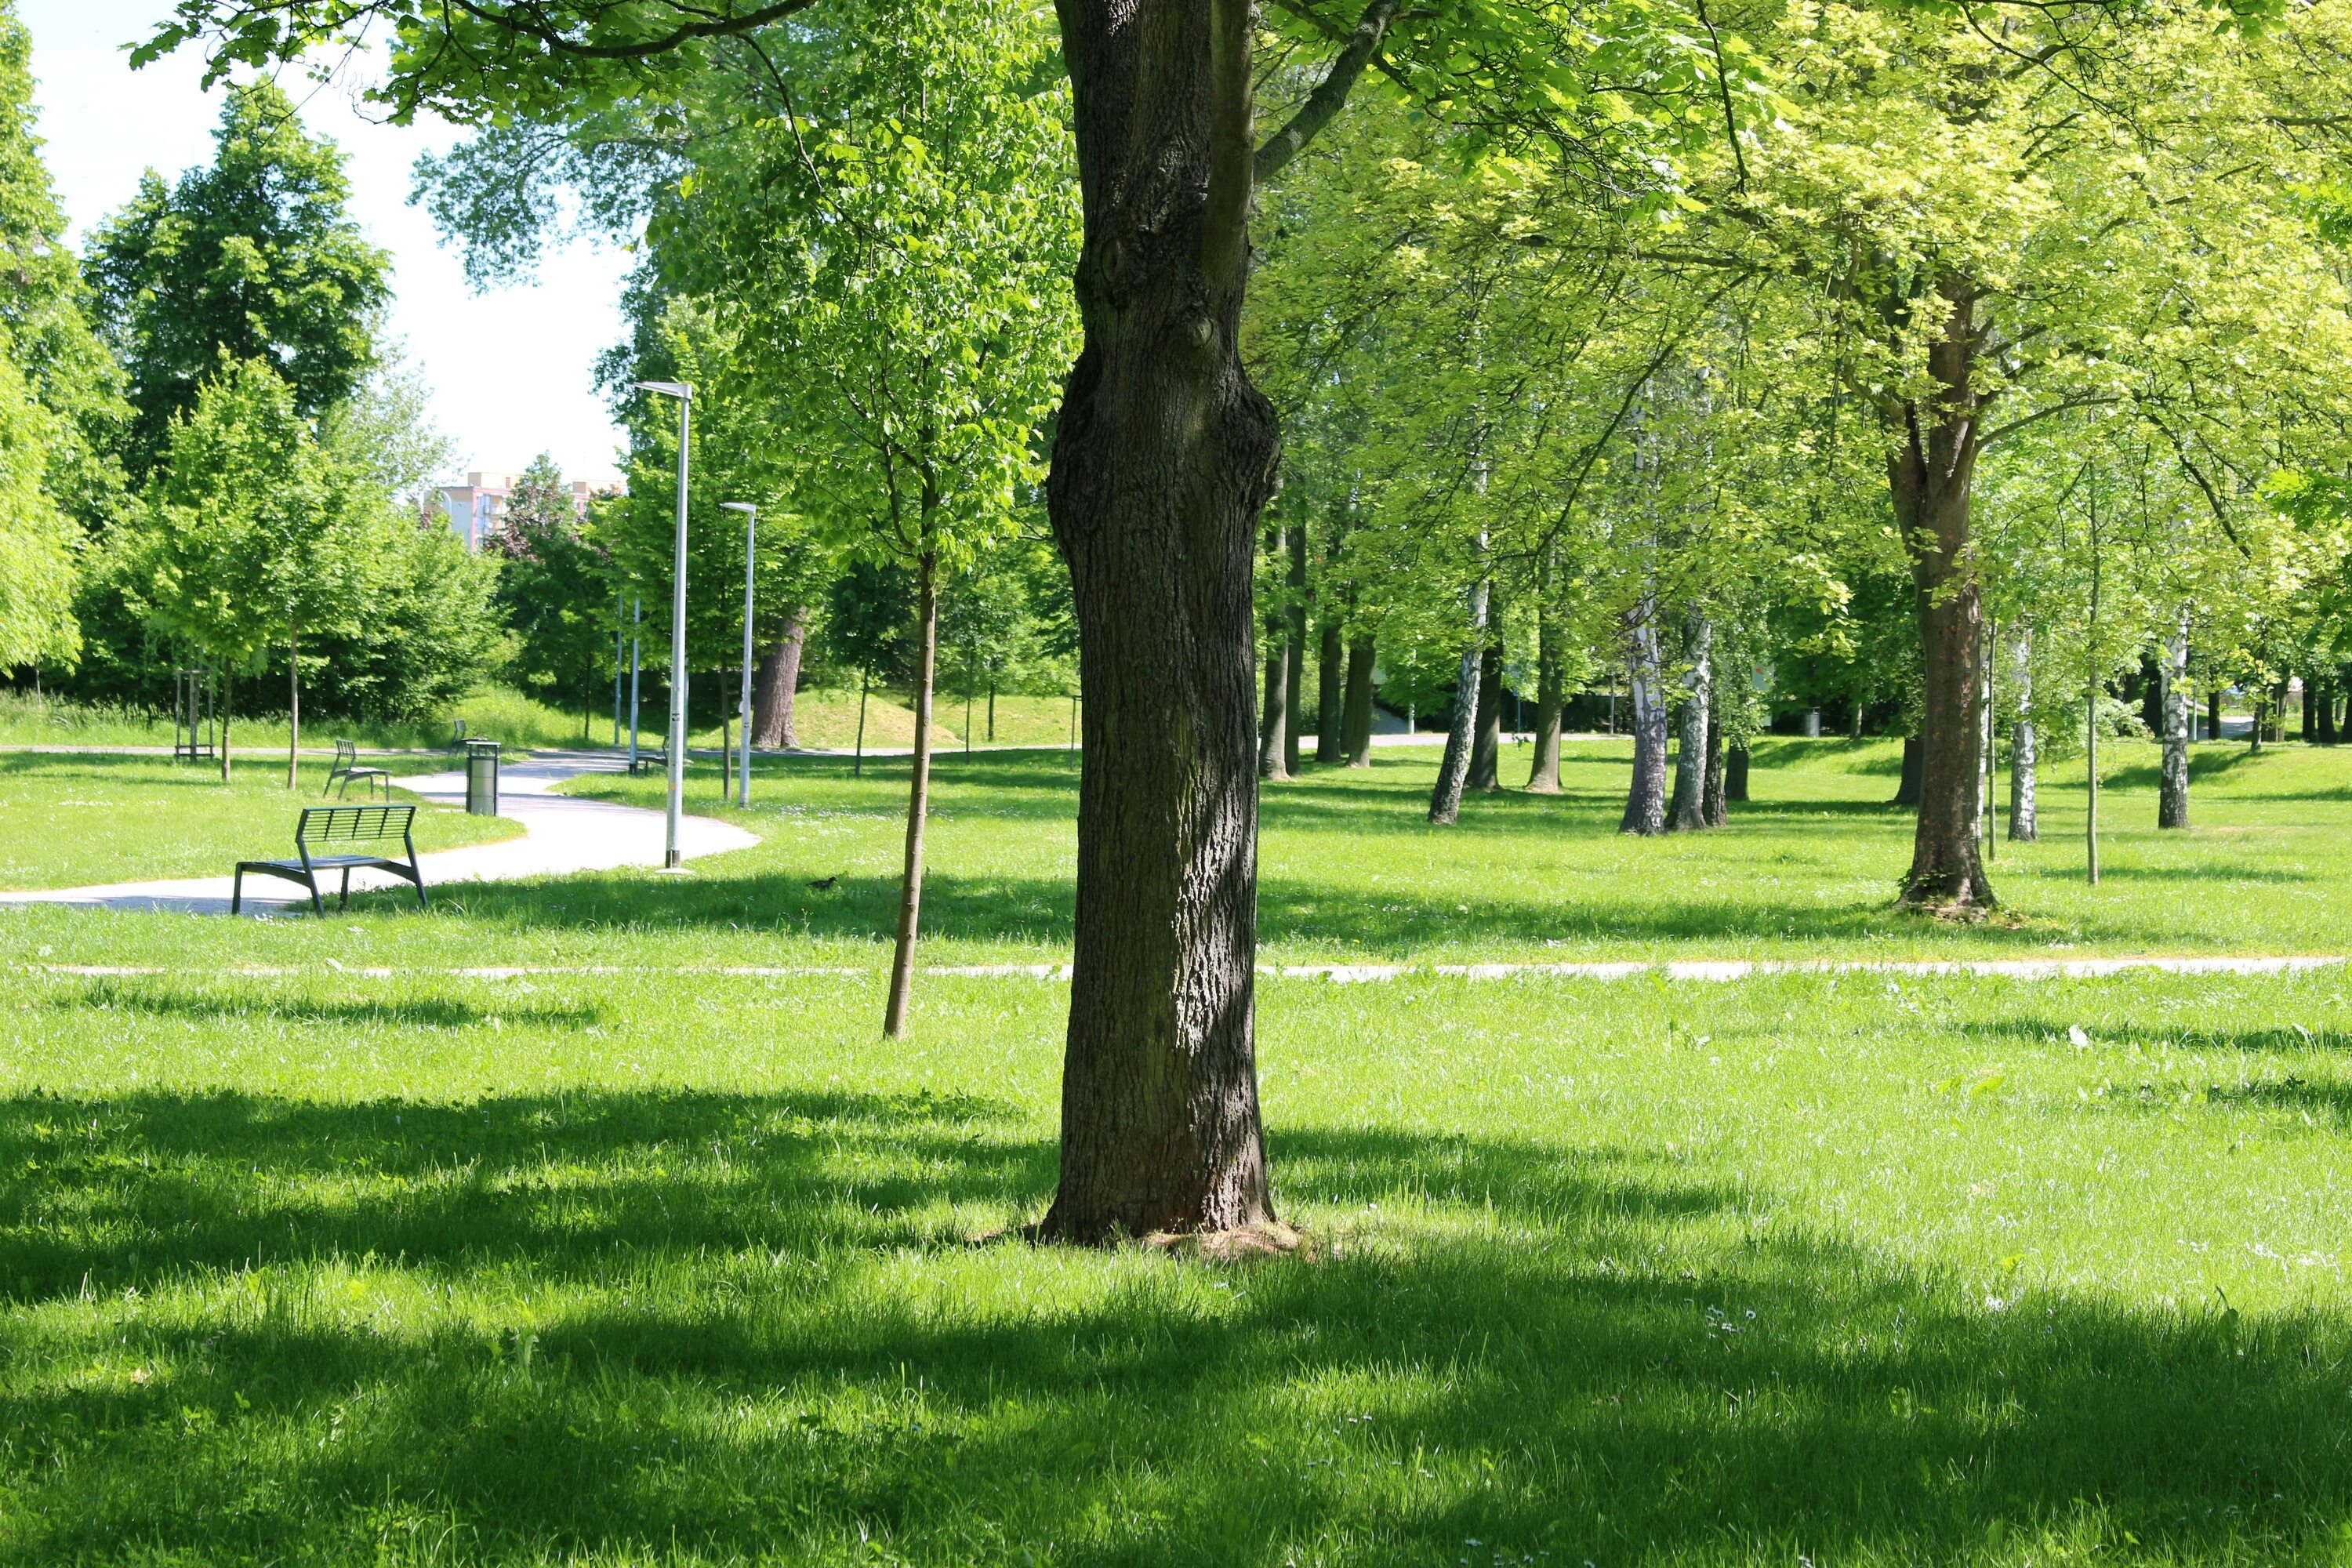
pixel 340 824
pixel 645 760
pixel 347 768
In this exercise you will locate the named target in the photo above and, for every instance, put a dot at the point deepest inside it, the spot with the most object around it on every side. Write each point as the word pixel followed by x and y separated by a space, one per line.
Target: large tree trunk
pixel 2179 707
pixel 1931 472
pixel 1294 651
pixel 2023 781
pixel 2213 713
pixel 1331 675
pixel 1453 768
pixel 1645 798
pixel 773 687
pixel 1360 656
pixel 1543 773
pixel 2326 684
pixel 1687 812
pixel 1486 750
pixel 1162 458
pixel 919 795
pixel 1735 776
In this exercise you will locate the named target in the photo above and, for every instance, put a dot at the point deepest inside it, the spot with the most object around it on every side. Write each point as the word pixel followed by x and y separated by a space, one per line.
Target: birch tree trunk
pixel 2023 779
pixel 2180 710
pixel 1687 812
pixel 1713 810
pixel 1453 768
pixel 293 706
pixel 1645 799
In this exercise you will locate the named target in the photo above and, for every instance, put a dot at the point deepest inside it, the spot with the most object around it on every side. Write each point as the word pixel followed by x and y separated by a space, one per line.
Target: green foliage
pixel 252 256
pixel 553 593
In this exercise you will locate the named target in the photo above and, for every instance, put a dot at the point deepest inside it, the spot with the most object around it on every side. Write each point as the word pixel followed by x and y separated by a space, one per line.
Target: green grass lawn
pixel 665 1265
pixel 68 821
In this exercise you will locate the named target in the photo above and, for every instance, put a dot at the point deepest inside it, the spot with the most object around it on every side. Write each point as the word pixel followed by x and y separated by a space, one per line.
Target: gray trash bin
pixel 482 778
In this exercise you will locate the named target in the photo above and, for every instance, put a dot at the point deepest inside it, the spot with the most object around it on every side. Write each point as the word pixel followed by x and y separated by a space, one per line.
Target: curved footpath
pixel 562 834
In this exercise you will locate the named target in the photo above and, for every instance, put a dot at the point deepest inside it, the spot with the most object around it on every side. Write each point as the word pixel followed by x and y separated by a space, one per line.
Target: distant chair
pixel 347 768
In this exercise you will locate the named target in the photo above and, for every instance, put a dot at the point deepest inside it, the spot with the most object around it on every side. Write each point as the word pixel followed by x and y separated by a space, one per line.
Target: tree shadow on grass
pixel 395 1011
pixel 1588 1353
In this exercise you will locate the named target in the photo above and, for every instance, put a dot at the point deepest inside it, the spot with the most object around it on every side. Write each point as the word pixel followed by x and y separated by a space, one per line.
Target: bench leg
pixel 237 893
pixel 346 902
pixel 311 880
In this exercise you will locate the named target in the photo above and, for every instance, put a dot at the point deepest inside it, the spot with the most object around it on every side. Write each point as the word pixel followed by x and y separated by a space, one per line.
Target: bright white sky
pixel 509 370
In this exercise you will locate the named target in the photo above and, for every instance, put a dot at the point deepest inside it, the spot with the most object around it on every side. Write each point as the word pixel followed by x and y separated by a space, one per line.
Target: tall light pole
pixel 685 396
pixel 750 538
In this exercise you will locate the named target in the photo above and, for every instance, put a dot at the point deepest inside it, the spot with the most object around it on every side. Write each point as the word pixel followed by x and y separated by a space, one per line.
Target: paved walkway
pixel 561 834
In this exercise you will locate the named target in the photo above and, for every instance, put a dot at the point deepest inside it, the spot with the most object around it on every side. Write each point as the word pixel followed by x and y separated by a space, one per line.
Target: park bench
pixel 332 825
pixel 654 760
pixel 347 768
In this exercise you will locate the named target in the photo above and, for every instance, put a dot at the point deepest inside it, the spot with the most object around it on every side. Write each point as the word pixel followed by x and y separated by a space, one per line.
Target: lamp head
pixel 743 506
pixel 677 389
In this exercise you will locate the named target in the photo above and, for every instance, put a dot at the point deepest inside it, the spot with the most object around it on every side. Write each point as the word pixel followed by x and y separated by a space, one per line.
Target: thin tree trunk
pixel 773 687
pixel 2213 713
pixel 1645 799
pixel 1163 455
pixel 1687 811
pixel 2180 707
pixel 1854 733
pixel 1461 732
pixel 1931 474
pixel 2091 777
pixel 1486 749
pixel 1361 654
pixel 2310 706
pixel 857 759
pixel 2261 720
pixel 919 795
pixel 992 704
pixel 1543 772
pixel 1294 651
pixel 1330 676
pixel 293 706
pixel 1735 775
pixel 224 725
pixel 2326 736
pixel 1713 811
pixel 2024 780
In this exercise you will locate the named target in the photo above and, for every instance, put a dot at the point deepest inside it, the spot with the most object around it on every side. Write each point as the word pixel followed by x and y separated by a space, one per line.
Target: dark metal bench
pixel 339 824
pixel 649 761
pixel 347 768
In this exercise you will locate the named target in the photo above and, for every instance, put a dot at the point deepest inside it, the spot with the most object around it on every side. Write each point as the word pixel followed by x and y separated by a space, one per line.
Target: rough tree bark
pixel 2023 781
pixel 1361 654
pixel 2213 713
pixel 1687 811
pixel 1293 650
pixel 1486 749
pixel 1543 772
pixel 774 686
pixel 1163 457
pixel 2326 685
pixel 2179 709
pixel 1930 471
pixel 1453 768
pixel 1645 798
pixel 918 795
pixel 1331 675
pixel 1735 775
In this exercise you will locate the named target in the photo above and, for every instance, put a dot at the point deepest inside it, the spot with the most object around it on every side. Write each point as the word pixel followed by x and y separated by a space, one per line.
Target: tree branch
pixel 1331 94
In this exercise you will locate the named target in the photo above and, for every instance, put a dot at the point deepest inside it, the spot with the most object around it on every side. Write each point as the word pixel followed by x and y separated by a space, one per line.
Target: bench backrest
pixel 353 824
pixel 346 751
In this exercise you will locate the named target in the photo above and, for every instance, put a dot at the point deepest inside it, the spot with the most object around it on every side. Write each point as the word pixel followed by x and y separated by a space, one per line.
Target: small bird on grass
pixel 825 884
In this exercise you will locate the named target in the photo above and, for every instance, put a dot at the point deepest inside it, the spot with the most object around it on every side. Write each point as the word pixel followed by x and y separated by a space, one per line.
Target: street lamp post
pixel 750 537
pixel 685 396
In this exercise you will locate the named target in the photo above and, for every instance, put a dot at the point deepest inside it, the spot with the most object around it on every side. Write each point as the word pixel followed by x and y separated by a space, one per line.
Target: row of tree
pixel 1682 340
